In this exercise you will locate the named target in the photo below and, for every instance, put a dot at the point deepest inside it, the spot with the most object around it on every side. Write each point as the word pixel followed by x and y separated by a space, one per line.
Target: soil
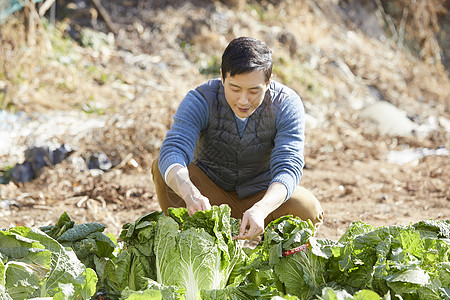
pixel 162 51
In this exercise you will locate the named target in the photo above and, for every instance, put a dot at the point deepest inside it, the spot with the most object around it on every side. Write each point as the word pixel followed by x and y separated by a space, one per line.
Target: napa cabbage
pixel 188 253
pixel 411 261
pixel 292 258
pixel 32 264
pixel 92 247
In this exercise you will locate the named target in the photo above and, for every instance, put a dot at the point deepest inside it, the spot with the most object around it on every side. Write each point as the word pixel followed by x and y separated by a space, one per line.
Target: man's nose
pixel 243 99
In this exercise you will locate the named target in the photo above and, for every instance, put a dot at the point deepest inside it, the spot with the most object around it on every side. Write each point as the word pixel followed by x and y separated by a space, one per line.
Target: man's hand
pixel 252 224
pixel 178 180
pixel 196 202
pixel 253 219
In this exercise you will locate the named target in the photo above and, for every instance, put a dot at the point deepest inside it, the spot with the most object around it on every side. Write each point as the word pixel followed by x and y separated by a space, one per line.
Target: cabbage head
pixel 189 253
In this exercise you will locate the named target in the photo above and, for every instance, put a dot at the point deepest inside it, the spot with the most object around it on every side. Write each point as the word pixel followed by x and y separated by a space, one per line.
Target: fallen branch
pixel 33 24
pixel 98 5
pixel 30 21
pixel 46 6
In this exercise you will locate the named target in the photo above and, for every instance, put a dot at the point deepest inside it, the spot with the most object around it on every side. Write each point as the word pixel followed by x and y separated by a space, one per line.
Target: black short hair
pixel 245 55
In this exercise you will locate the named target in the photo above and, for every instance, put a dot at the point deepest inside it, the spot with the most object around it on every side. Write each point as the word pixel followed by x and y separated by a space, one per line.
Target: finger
pixel 243 227
pixel 192 210
pixel 256 234
pixel 206 205
pixel 248 235
pixel 252 233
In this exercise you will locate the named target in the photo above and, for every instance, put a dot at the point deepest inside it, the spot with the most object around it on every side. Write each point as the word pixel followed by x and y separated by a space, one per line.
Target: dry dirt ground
pixel 162 51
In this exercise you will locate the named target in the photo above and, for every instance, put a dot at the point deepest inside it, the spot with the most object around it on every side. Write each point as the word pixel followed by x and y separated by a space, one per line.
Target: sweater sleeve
pixel 179 144
pixel 287 159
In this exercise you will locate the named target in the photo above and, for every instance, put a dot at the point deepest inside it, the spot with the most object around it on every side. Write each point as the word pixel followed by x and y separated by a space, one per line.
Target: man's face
pixel 245 92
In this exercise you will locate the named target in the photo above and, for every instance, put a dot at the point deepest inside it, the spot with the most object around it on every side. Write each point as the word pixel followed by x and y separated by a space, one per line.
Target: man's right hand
pixel 196 202
pixel 178 180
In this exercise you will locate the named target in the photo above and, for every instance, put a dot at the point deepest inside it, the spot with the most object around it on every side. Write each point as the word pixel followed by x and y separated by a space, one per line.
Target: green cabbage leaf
pixel 35 265
pixel 189 253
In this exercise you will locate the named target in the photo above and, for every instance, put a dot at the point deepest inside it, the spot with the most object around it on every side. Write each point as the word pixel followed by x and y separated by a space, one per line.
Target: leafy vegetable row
pixel 195 257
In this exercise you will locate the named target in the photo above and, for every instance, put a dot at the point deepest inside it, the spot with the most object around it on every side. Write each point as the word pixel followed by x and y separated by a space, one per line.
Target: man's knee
pixel 305 205
pixel 155 168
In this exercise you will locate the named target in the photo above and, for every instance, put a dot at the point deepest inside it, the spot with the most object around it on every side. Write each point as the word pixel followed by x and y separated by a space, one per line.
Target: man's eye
pixel 235 90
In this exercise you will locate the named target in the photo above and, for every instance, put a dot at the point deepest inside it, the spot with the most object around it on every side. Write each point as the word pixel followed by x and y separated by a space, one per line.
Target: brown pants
pixel 302 203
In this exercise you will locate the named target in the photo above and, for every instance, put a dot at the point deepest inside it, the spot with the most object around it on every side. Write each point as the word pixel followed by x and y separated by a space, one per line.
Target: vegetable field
pixel 196 257
pixel 113 96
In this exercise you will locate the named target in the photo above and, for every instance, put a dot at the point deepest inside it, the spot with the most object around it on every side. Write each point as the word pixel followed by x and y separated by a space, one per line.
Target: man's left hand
pixel 252 224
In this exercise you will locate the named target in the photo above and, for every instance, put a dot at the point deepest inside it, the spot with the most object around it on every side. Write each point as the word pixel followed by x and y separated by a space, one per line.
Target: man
pixel 238 140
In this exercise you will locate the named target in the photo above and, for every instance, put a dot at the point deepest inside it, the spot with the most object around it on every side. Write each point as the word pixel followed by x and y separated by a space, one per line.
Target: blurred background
pixel 88 90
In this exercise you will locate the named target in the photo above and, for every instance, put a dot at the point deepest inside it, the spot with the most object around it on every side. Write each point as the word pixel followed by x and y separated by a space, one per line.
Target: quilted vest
pixel 240 164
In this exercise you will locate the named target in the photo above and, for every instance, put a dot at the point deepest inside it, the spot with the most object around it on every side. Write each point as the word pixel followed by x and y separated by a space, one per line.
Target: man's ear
pixel 221 77
pixel 270 79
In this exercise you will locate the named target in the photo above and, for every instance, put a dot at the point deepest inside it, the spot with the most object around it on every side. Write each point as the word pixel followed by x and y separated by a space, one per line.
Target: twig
pixel 23 196
pixel 46 6
pixel 102 200
pixel 388 20
pixel 33 20
pixel 98 5
pixel 401 29
pixel 317 10
pixel 30 25
pixel 82 200
pixel 44 207
pixel 124 161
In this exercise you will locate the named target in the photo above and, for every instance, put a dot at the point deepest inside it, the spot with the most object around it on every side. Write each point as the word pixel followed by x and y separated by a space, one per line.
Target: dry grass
pixel 53 69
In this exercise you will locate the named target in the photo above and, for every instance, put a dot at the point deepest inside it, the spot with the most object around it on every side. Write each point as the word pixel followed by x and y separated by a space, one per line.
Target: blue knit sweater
pixel 286 161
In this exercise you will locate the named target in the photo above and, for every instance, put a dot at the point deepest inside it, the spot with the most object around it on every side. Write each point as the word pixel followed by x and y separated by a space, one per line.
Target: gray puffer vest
pixel 234 163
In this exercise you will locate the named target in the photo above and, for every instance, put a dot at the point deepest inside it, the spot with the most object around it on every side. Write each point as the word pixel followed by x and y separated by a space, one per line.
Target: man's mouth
pixel 243 110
